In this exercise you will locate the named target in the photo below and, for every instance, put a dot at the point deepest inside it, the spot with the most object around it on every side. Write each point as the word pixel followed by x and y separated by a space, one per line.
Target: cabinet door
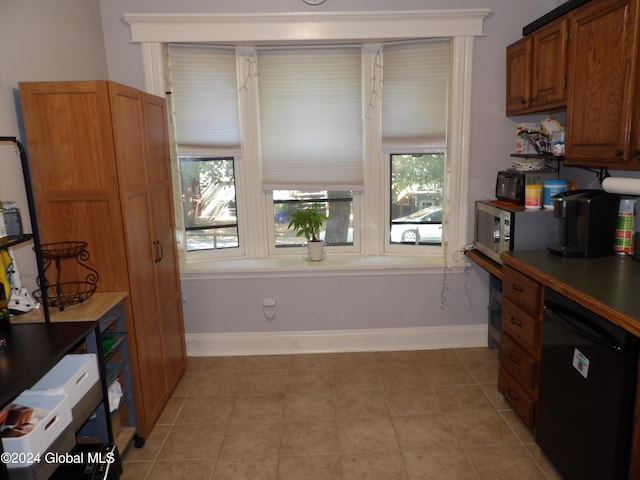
pixel 549 66
pixel 518 76
pixel 129 135
pixel 71 154
pixel 166 260
pixel 152 374
pixel 600 95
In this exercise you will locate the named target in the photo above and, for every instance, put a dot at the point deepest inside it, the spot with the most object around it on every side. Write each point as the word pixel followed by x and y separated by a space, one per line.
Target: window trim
pixel 154 31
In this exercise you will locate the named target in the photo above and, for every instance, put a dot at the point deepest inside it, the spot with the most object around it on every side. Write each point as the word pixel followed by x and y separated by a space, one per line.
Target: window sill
pixel 332 265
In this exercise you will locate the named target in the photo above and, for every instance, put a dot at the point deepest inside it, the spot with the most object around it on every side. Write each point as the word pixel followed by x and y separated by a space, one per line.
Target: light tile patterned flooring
pixel 421 415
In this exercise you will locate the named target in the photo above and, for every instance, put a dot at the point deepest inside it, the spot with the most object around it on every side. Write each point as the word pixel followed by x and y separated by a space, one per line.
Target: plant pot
pixel 316 250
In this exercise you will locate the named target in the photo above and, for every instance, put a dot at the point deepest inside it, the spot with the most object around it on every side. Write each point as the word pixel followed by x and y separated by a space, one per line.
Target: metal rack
pixel 35 233
pixel 63 293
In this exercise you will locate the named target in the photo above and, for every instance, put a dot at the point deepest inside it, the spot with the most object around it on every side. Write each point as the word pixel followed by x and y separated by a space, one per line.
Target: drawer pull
pixel 514 359
pixel 516 322
pixel 517 288
pixel 512 395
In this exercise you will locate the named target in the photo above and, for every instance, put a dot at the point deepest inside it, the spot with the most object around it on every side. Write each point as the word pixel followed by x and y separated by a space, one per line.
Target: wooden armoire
pixel 100 164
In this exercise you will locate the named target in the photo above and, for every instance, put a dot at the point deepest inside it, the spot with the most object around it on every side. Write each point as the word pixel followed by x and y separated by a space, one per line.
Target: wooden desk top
pixel 90 310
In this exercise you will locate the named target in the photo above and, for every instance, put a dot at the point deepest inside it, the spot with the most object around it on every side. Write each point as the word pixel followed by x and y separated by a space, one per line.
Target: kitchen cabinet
pixel 606 286
pixel 101 174
pixel 603 108
pixel 520 342
pixel 537 70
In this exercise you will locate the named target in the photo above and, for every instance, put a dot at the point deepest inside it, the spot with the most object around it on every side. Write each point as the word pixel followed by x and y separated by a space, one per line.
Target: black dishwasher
pixel 588 371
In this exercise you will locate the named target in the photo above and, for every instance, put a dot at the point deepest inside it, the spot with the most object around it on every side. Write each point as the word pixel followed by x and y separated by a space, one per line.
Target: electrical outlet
pixel 269 308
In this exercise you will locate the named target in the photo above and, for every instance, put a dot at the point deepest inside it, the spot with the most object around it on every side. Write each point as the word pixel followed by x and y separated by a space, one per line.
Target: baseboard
pixel 384 339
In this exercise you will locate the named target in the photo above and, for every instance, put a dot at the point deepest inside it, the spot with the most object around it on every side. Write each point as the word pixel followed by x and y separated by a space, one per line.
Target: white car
pixel 423 227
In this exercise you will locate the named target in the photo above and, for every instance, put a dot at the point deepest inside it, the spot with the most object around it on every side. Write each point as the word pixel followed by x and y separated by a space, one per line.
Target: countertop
pixel 32 350
pixel 609 286
pixel 91 309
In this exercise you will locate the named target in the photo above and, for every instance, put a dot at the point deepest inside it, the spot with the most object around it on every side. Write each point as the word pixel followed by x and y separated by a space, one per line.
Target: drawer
pixel 520 325
pixel 111 317
pixel 77 377
pixel 522 290
pixel 520 400
pixel 519 363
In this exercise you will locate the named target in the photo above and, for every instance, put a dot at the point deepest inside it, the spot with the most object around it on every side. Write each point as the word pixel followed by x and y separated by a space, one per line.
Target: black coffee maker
pixel 588 221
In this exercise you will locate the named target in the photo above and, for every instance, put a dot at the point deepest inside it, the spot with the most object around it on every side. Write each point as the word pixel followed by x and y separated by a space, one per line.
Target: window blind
pixel 414 96
pixel 204 96
pixel 311 118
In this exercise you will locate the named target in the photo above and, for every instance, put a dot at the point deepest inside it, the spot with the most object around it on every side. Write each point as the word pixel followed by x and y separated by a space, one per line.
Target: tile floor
pixel 421 415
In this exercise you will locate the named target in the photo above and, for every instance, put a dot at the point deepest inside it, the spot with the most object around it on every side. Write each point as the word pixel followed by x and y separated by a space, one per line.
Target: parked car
pixel 423 226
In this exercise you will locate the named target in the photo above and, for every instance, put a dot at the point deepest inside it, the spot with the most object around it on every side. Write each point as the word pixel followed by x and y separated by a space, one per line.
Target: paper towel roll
pixel 621 185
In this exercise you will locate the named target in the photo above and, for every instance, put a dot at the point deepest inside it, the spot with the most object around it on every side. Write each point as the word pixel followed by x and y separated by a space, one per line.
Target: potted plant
pixel 308 222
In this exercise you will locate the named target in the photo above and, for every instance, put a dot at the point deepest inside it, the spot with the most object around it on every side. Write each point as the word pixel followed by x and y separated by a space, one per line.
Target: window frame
pixel 154 31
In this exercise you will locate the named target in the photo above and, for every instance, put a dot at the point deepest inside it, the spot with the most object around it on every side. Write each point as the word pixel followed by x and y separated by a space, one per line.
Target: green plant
pixel 308 222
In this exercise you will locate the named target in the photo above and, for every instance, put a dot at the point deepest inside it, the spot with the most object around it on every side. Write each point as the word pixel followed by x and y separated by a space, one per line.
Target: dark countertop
pixel 32 350
pixel 609 286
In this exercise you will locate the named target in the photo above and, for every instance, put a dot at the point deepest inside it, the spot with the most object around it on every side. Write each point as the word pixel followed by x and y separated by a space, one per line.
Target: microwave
pixel 510 184
pixel 501 228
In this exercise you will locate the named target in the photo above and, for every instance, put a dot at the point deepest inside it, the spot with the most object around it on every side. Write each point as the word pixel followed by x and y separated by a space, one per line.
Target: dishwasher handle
pixel 585 327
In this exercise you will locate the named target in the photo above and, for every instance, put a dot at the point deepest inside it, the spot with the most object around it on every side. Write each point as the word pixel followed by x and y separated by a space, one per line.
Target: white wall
pixel 39 41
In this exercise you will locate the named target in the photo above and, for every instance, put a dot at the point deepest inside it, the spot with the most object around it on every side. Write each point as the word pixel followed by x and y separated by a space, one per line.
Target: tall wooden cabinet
pixel 101 174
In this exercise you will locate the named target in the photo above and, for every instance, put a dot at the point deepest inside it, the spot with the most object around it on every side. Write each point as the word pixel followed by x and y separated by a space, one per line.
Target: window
pixel 371 217
pixel 206 124
pixel 416 198
pixel 209 203
pixel 337 206
pixel 414 119
pixel 311 138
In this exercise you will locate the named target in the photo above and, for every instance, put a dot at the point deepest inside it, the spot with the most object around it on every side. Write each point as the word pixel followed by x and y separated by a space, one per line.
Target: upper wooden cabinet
pixel 537 70
pixel 602 105
pixel 101 172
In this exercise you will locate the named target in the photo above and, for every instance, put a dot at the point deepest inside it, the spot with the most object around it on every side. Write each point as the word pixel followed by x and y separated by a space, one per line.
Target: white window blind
pixel 205 96
pixel 414 95
pixel 311 118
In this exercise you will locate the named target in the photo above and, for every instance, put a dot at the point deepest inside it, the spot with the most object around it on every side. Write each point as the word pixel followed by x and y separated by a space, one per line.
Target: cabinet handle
pixel 156 257
pixel 517 288
pixel 619 153
pixel 516 322
pixel 636 153
pixel 514 359
pixel 160 251
pixel 512 395
pixel 523 101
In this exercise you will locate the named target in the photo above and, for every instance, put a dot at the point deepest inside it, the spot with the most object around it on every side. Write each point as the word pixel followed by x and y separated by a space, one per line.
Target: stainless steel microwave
pixel 501 228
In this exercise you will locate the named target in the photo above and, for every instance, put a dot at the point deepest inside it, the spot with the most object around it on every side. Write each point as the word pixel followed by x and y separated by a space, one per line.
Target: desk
pixel 32 350
pixel 106 309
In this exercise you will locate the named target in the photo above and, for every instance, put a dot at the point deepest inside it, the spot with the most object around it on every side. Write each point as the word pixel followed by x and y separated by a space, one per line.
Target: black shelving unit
pixel 34 236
